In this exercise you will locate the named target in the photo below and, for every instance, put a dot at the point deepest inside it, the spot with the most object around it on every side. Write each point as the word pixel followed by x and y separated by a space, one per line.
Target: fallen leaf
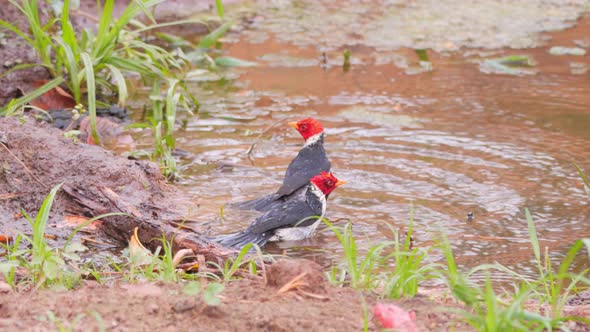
pixel 180 255
pixel 110 133
pixel 75 221
pixel 5 238
pixel 137 252
pixel 50 236
pixel 55 99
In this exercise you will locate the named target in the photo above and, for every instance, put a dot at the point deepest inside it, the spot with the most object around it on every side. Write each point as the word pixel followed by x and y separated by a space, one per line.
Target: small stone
pixel 183 306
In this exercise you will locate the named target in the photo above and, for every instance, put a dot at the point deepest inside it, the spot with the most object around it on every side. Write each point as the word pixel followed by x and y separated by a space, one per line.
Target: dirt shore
pixel 245 305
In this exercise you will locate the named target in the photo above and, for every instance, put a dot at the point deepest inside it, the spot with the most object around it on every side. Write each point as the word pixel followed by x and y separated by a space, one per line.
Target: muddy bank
pixel 35 158
pixel 246 305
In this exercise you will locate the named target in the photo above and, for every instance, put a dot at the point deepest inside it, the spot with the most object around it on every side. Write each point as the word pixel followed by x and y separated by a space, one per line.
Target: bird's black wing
pixel 310 161
pixel 288 213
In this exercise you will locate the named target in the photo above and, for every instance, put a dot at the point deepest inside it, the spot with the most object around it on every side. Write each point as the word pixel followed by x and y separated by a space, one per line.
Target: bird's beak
pixel 293 124
pixel 340 182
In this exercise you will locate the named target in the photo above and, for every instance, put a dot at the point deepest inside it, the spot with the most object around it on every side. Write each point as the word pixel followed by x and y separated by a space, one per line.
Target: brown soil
pixel 35 158
pixel 246 305
pixel 40 158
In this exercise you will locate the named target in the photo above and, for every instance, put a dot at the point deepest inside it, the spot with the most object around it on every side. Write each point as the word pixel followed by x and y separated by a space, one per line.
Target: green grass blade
pixel 238 261
pixel 41 221
pixel 210 39
pixel 583 176
pixel 20 67
pixel 220 9
pixel 227 61
pixel 16 31
pixel 17 103
pixel 73 69
pixel 146 10
pixel 534 238
pixel 167 24
pixel 89 221
pixel 104 24
pixel 89 73
pixel 67 31
pixel 172 99
pixel 119 79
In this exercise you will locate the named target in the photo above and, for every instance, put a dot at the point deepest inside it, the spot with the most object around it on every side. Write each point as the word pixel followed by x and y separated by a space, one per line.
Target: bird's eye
pixel 329 183
pixel 303 127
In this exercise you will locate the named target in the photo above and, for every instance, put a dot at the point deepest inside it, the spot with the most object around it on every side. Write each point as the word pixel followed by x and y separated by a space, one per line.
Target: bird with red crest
pixel 292 219
pixel 310 161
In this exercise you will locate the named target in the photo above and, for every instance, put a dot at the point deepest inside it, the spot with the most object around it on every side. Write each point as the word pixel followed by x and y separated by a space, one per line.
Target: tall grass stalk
pixel 361 272
pixel 231 266
pixel 551 284
pixel 410 269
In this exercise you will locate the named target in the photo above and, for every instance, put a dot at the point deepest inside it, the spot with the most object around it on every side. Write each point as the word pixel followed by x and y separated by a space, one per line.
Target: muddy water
pixel 450 142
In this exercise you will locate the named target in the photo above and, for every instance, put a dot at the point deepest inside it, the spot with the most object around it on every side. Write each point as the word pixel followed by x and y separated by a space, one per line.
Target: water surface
pixel 450 141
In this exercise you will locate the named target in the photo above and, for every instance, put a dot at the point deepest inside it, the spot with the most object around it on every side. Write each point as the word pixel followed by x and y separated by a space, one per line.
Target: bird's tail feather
pixel 239 240
pixel 261 204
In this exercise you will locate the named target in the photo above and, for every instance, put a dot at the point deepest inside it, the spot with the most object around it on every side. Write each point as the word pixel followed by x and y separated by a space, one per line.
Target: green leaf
pixel 6 267
pixel 583 177
pixel 227 61
pixel 586 242
pixel 533 236
pixel 422 55
pixel 73 70
pixel 89 73
pixel 52 266
pixel 16 103
pixel 119 79
pixel 16 31
pixel 210 295
pixel 215 288
pixel 39 244
pixel 74 247
pixel 210 39
pixel 71 256
pixel 192 288
pixel 220 9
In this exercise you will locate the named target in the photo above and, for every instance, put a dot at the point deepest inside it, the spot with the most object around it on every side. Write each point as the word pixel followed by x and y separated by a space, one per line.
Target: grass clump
pixel 90 61
pixel 97 65
pixel 44 265
pixel 394 269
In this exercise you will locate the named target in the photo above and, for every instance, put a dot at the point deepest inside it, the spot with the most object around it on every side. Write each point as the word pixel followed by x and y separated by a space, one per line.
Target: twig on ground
pixel 23 164
pixel 293 284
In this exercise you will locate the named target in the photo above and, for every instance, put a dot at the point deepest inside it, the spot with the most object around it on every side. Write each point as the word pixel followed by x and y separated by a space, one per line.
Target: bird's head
pixel 326 182
pixel 308 127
